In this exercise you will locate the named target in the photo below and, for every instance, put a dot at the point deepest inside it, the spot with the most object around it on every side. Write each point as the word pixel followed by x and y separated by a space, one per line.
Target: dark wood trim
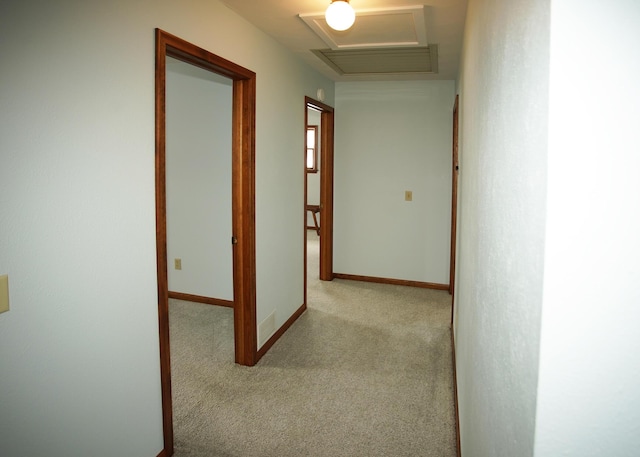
pixel 276 336
pixel 454 206
pixel 452 273
pixel 243 218
pixel 395 282
pixel 326 186
pixel 195 55
pixel 455 394
pixel 317 105
pixel 201 299
pixel 161 244
pixel 326 196
pixel 162 453
pixel 243 204
pixel 304 212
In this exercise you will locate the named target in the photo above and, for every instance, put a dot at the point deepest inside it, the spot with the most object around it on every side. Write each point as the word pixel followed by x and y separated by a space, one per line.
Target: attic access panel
pixel 423 59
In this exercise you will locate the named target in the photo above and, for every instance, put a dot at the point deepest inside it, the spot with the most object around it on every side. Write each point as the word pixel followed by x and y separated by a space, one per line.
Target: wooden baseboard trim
pixel 201 299
pixel 396 282
pixel 276 336
pixel 455 395
pixel 163 453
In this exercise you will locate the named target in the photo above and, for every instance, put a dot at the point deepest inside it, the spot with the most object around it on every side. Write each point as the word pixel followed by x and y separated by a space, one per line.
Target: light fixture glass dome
pixel 340 15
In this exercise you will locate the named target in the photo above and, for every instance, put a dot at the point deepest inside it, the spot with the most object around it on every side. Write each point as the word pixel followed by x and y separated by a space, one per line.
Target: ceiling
pixel 392 40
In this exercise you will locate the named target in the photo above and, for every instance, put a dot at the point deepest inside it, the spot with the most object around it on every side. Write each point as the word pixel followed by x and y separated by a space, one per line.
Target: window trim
pixel 314 148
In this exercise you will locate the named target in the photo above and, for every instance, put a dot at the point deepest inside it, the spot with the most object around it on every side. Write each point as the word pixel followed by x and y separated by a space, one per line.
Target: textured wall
pixel 503 156
pixel 588 396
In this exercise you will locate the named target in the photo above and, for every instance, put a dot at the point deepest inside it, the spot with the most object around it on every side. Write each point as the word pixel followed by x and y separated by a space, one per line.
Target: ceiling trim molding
pixel 403 26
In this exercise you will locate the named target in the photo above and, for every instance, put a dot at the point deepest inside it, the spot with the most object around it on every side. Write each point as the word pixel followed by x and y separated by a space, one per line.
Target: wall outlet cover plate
pixel 4 293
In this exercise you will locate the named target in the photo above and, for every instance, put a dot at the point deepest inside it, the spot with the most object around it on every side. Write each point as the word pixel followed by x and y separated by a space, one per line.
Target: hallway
pixel 366 371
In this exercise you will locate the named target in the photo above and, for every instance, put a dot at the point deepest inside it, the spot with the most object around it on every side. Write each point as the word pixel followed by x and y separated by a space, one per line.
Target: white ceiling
pixel 443 25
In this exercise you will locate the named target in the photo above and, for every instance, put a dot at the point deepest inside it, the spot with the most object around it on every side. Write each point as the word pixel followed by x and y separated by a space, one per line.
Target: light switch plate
pixel 4 293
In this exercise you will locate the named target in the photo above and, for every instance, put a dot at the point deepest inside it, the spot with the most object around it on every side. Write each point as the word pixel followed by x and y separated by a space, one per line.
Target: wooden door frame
pixel 243 204
pixel 454 206
pixel 326 190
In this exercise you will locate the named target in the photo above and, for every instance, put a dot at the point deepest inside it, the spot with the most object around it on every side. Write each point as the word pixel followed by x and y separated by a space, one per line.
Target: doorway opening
pixel 243 207
pixel 323 211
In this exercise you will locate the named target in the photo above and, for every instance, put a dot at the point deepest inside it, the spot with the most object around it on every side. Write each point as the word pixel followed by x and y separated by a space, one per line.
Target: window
pixel 312 149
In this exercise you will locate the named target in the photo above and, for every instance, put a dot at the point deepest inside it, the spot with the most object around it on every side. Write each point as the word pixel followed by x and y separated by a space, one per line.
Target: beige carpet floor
pixel 365 371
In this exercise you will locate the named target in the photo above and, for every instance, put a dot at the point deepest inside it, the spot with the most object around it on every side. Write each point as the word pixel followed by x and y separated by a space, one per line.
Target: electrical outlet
pixel 177 264
pixel 408 195
pixel 4 293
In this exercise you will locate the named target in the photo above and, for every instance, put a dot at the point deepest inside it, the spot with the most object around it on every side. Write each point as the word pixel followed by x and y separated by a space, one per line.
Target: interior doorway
pixel 198 184
pixel 243 206
pixel 325 205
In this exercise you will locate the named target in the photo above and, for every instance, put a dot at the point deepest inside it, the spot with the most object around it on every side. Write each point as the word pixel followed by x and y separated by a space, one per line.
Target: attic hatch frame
pixel 243 208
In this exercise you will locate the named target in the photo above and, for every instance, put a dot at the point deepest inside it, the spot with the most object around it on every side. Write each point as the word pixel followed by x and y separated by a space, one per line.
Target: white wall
pixel 198 151
pixel 503 158
pixel 547 291
pixel 589 395
pixel 313 179
pixel 79 349
pixel 391 137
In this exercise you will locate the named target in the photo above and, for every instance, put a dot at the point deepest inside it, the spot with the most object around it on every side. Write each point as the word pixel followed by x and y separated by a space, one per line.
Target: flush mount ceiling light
pixel 340 15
